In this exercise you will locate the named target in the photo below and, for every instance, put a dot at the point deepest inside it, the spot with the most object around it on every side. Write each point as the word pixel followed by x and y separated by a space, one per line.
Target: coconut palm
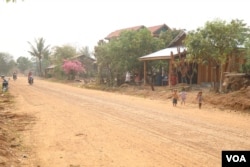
pixel 39 51
pixel 10 0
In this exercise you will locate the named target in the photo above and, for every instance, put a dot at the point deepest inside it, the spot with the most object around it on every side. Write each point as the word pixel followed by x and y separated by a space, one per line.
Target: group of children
pixel 183 96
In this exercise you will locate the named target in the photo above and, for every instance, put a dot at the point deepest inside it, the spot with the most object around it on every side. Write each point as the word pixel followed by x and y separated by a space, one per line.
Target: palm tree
pixel 11 1
pixel 40 51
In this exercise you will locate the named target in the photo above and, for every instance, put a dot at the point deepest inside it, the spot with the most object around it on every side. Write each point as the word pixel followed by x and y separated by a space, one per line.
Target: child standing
pixel 199 99
pixel 175 97
pixel 183 95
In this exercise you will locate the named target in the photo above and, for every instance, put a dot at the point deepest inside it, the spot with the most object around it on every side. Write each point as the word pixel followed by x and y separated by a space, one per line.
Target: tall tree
pixel 39 51
pixel 103 60
pixel 10 1
pixel 169 35
pixel 88 60
pixel 246 66
pixel 6 63
pixel 23 63
pixel 121 54
pixel 61 53
pixel 85 51
pixel 216 42
pixel 13 1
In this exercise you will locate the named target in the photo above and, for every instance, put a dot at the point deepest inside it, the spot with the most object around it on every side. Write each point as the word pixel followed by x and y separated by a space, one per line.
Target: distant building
pixel 155 30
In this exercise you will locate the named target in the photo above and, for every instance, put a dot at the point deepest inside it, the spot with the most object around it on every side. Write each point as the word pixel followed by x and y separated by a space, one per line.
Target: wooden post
pixel 212 72
pixel 206 73
pixel 170 69
pixel 145 72
pixel 199 74
pixel 179 54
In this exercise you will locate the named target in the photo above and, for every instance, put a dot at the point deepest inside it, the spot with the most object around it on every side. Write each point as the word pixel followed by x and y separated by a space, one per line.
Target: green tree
pixel 87 60
pixel 103 60
pixel 216 42
pixel 85 51
pixel 6 63
pixel 169 35
pixel 196 53
pixel 59 54
pixel 246 66
pixel 121 54
pixel 23 64
pixel 39 51
pixel 13 1
pixel 10 1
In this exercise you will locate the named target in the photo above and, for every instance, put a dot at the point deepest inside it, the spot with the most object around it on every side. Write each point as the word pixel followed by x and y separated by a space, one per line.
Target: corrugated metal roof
pixel 51 66
pixel 162 54
pixel 178 39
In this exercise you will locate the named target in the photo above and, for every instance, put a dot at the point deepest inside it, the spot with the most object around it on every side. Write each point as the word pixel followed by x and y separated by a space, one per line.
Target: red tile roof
pixel 152 29
pixel 118 32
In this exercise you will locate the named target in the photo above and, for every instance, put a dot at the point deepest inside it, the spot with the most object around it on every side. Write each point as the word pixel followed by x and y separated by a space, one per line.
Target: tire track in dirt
pixel 124 109
pixel 179 139
pixel 151 113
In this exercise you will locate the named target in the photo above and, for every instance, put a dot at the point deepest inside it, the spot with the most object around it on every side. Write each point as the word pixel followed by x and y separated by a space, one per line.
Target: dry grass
pixel 11 126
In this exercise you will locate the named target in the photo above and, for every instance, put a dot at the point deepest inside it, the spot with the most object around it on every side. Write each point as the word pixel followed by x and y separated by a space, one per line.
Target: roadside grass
pixel 12 125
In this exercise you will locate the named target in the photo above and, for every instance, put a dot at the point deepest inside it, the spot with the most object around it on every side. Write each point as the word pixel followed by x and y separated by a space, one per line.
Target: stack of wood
pixel 236 81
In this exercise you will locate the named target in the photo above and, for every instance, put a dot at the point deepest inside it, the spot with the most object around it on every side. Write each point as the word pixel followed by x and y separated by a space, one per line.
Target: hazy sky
pixel 85 22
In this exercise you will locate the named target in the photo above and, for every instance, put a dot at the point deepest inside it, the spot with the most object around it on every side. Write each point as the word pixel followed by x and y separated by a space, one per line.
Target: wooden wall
pixel 205 73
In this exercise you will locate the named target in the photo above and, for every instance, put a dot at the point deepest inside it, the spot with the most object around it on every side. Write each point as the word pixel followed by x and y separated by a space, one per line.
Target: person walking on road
pixel 175 98
pixel 183 95
pixel 199 99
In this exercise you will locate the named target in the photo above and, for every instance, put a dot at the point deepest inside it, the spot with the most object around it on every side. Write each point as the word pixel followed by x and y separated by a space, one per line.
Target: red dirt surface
pixel 60 125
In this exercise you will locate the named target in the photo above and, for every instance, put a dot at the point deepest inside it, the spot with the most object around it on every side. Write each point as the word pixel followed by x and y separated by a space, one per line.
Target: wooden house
pixel 117 33
pixel 167 54
pixel 155 30
pixel 174 51
pixel 88 62
pixel 49 71
pixel 175 55
pixel 179 70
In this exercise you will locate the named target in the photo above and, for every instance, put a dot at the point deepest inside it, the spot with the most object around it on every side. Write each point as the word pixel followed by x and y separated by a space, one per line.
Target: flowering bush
pixel 72 67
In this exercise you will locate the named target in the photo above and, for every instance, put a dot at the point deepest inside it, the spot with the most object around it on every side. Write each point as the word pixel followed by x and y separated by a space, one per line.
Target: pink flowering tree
pixel 72 67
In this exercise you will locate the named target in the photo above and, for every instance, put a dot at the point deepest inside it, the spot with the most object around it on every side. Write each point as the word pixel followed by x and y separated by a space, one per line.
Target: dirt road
pixel 85 128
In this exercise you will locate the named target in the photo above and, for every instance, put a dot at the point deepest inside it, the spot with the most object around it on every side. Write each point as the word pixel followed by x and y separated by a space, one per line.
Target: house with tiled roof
pixel 155 30
pixel 117 33
pixel 175 53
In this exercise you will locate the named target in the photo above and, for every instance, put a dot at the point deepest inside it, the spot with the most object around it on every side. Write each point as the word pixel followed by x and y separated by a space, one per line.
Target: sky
pixel 82 23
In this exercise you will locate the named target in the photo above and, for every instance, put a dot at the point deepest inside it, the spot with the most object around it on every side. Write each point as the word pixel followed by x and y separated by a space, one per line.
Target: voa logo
pixel 236 158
